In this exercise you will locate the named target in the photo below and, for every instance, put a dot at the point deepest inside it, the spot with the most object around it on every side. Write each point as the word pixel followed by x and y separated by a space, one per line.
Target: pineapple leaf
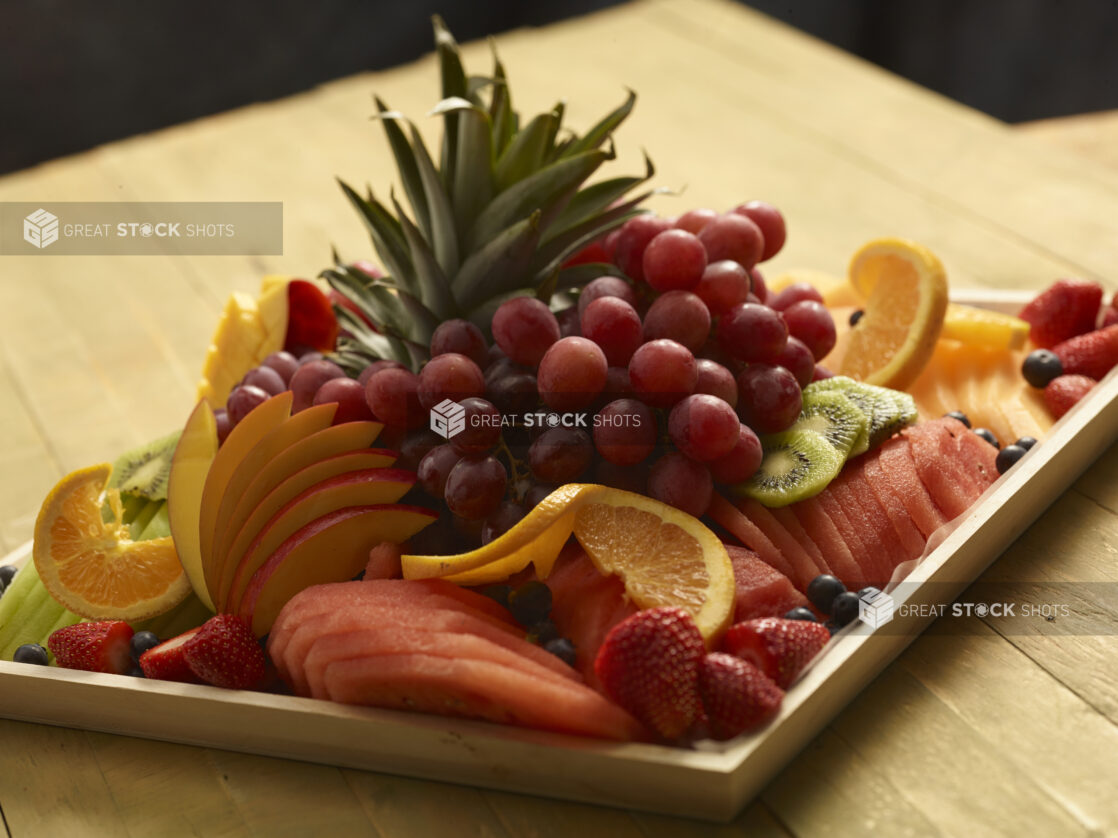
pixel 387 234
pixel 431 284
pixel 358 338
pixel 472 185
pixel 547 189
pixel 578 275
pixel 500 266
pixel 526 153
pixel 559 249
pixel 500 107
pixel 444 236
pixel 395 312
pixel 406 164
pixel 596 198
pixel 454 84
pixel 604 129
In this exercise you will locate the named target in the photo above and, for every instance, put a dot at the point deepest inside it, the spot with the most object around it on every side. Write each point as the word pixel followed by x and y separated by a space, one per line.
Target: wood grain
pixel 968 733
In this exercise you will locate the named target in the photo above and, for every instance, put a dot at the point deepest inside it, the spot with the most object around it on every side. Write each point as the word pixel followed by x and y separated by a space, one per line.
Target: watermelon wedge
pixel 760 589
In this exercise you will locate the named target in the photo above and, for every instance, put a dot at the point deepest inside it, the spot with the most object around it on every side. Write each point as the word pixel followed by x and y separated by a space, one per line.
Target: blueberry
pixel 498 593
pixel 134 672
pixel 868 592
pixel 958 414
pixel 31 653
pixel 1042 366
pixel 543 632
pixel 800 613
pixel 6 574
pixel 822 591
pixel 855 316
pixel 846 608
pixel 530 603
pixel 1026 442
pixel 141 642
pixel 988 435
pixel 563 649
pixel 832 627
pixel 1008 457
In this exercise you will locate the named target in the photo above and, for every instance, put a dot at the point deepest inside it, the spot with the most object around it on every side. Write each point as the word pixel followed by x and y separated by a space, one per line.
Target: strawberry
pixel 95 647
pixel 1109 317
pixel 737 696
pixel 167 662
pixel 225 653
pixel 1092 354
pixel 1067 308
pixel 779 648
pixel 649 664
pixel 1063 392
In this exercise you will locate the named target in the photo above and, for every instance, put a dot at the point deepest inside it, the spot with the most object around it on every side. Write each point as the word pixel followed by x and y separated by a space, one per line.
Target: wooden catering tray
pixel 712 782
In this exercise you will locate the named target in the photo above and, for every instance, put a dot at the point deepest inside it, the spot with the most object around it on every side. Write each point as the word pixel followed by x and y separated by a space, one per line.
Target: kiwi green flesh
pixel 797 464
pixel 834 417
pixel 145 470
pixel 888 411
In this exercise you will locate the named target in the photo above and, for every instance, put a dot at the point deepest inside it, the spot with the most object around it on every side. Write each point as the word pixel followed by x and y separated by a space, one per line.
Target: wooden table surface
pixel 965 734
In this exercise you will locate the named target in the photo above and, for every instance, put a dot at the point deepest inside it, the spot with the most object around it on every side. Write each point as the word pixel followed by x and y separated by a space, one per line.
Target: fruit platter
pixel 553 493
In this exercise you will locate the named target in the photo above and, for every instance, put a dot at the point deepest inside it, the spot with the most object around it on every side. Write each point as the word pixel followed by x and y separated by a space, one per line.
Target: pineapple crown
pixel 506 207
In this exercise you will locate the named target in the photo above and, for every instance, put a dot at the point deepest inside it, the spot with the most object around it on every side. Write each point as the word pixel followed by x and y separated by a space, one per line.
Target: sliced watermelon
pixel 825 533
pixel 895 462
pixel 734 521
pixel 803 568
pixel 760 590
pixel 882 490
pixel 791 522
pixel 953 485
pixel 883 549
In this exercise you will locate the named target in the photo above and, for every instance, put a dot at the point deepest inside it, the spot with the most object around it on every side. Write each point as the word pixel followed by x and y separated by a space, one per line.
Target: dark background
pixel 76 74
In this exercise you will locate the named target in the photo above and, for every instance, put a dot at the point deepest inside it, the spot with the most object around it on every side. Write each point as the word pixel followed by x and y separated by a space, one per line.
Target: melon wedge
pixel 193 457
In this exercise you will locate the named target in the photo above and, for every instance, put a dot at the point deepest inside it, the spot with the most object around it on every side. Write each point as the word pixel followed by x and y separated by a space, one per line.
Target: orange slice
pixel 905 289
pixel 664 556
pixel 92 566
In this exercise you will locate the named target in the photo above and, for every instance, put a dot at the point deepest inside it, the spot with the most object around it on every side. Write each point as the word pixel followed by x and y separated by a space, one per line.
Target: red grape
pixel 769 399
pixel 662 372
pixel 606 286
pixel 508 514
pixel 625 431
pixel 678 480
pixel 632 239
pixel 723 285
pixel 615 326
pixel 812 323
pixel 741 462
pixel 610 243
pixel 416 445
pixel 460 336
pixel 349 395
pixel 435 468
pixel 560 455
pixel 821 373
pixel 703 427
pixel 308 378
pixel 735 237
pixel 393 396
pixel 618 385
pixel 537 493
pixel 475 487
pixel 375 367
pixel 282 362
pixel 680 316
pixel 568 322
pixel 571 374
pixel 267 379
pixel 760 289
pixel 715 380
pixel 224 424
pixel 798 360
pixel 243 400
pixel 627 478
pixel 524 328
pixel 693 221
pixel 451 376
pixel 794 293
pixel 309 355
pixel 514 393
pixel 771 222
pixel 483 427
pixel 752 332
pixel 674 261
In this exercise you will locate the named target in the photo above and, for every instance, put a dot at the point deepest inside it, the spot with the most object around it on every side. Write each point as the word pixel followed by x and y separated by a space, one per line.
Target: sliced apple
pixel 286 491
pixel 319 446
pixel 194 455
pixel 266 417
pixel 267 448
pixel 356 488
pixel 332 548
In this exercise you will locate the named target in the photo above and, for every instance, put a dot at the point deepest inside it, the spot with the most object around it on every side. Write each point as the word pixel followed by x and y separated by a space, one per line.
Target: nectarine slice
pixel 285 491
pixel 192 460
pixel 332 548
pixel 355 488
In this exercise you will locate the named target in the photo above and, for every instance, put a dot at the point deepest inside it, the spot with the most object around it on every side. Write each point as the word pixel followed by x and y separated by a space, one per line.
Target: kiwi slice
pixel 797 464
pixel 887 410
pixel 835 417
pixel 145 470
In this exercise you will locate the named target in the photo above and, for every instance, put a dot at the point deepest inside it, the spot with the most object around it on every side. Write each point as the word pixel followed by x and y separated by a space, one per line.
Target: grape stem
pixel 520 473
